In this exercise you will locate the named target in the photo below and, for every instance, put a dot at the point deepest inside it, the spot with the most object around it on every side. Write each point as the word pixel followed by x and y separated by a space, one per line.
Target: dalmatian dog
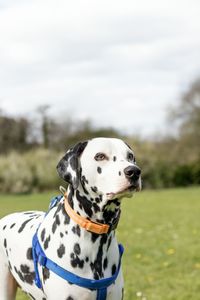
pixel 100 172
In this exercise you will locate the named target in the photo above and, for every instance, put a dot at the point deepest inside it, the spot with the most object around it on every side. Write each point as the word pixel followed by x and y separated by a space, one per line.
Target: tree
pixel 43 111
pixel 187 116
pixel 14 134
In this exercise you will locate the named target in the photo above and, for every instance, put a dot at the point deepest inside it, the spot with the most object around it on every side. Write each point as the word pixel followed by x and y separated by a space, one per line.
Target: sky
pixel 118 63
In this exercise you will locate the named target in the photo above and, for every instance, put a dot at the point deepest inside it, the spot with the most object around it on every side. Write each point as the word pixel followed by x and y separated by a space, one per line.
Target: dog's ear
pixel 68 167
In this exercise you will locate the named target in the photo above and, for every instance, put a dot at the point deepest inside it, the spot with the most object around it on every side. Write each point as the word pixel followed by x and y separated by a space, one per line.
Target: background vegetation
pixel 30 148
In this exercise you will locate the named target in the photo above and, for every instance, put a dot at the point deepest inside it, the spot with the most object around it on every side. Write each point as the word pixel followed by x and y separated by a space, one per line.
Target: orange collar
pixel 94 227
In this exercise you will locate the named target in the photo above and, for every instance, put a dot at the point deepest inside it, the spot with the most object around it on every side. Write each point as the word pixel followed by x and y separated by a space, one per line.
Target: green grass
pixel 161 234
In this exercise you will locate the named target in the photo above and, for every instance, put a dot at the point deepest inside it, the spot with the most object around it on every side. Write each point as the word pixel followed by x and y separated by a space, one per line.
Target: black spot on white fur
pixel 24 268
pixel 46 242
pixel 75 260
pixel 56 223
pixel 114 268
pixel 105 263
pixel 94 237
pixel 66 216
pixel 95 207
pixel 24 225
pixel 29 254
pixel 76 230
pixel 77 249
pixel 43 235
pixel 61 251
pixel 99 170
pixel 84 204
pixel 46 274
pixel 94 189
pixel 25 274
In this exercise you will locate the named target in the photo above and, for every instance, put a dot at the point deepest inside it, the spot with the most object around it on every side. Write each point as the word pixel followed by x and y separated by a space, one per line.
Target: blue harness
pixel 40 257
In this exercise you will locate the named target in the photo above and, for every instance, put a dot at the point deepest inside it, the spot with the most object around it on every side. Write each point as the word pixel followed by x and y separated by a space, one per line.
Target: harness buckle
pixel 42 260
pixel 96 228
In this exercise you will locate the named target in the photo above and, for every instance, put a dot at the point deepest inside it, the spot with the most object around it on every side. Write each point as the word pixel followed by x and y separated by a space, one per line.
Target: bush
pixel 42 164
pixel 14 175
pixel 162 175
pixel 196 172
pixel 159 175
pixel 28 172
pixel 183 175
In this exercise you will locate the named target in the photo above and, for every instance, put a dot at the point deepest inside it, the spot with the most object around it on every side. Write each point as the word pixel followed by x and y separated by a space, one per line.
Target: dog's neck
pixel 94 208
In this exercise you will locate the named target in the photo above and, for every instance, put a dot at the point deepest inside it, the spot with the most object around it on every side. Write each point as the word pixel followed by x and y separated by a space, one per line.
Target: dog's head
pixel 102 166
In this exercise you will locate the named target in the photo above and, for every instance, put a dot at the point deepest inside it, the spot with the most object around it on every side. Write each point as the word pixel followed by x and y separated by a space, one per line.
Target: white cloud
pixel 119 63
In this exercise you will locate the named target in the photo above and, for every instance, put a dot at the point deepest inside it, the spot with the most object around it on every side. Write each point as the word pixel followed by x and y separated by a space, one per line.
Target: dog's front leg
pixel 8 285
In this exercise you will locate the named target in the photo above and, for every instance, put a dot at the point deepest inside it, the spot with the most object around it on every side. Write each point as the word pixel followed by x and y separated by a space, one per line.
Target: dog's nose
pixel 132 172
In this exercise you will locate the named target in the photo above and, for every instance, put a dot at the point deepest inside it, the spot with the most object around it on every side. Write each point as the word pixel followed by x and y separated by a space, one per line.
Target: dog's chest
pixel 83 253
pixel 71 247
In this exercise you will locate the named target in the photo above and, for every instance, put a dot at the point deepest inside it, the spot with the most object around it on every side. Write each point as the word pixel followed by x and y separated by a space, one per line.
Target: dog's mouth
pixel 127 191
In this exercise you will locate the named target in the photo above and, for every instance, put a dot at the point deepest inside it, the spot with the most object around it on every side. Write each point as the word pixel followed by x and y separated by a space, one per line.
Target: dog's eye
pixel 100 156
pixel 131 157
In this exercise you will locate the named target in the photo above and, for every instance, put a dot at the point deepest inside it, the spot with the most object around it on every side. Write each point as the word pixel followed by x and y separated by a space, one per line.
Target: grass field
pixel 161 234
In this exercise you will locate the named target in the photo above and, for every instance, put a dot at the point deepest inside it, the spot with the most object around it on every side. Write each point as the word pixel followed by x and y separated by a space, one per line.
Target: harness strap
pixel 101 294
pixel 40 257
